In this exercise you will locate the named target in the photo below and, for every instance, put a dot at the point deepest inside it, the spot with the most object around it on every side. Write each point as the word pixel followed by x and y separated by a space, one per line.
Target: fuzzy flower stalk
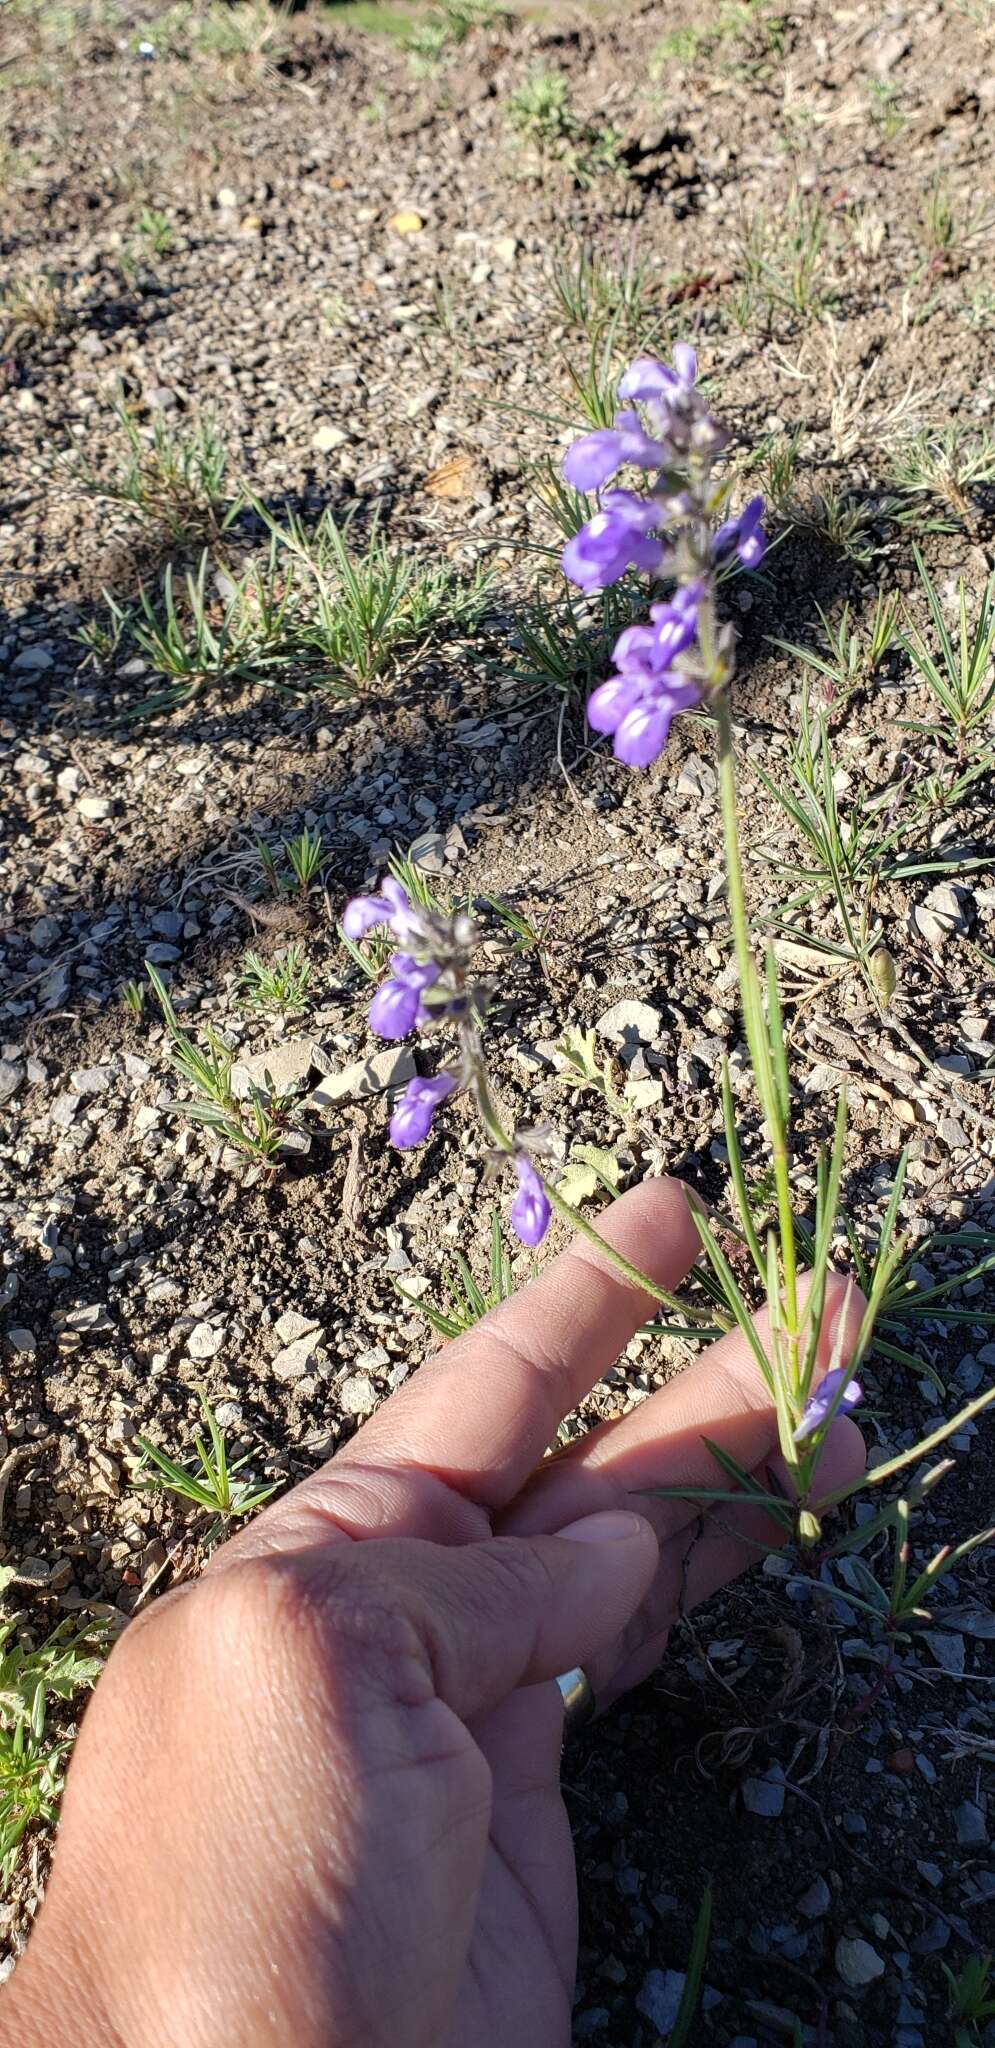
pixel 432 985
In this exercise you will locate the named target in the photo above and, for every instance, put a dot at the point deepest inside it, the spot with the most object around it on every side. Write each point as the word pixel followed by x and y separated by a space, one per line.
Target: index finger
pixel 481 1413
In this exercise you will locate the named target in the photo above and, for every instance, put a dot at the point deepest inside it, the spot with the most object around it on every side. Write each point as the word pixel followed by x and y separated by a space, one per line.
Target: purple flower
pixel 641 733
pixel 619 537
pixel 824 1398
pixel 647 378
pixel 674 625
pixel 745 535
pixel 412 1118
pixel 593 459
pixel 397 1004
pixel 392 907
pixel 530 1210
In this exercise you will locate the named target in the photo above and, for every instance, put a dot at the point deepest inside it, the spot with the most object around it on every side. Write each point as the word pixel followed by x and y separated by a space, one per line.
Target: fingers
pixel 468 1624
pixel 488 1406
pixel 470 1427
pixel 721 1396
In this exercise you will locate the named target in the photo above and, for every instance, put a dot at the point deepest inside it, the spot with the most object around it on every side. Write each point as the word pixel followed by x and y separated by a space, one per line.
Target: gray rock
pixel 296 1359
pixel 92 1080
pixel 816 1901
pixel 292 1326
pixel 948 1649
pixel 11 1076
pixel 286 1065
pixel 63 1111
pixel 969 1820
pixel 204 1341
pixel 857 1962
pixel 765 1795
pixel 658 1998
pixel 32 660
pixel 23 1342
pixel 358 1394
pixel 92 1320
pixel 94 808
pixel 392 1068
pixel 631 1023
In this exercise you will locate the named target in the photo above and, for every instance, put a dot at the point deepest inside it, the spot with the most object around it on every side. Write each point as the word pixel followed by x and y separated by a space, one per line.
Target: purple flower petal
pixel 530 1210
pixel 745 534
pixel 685 362
pixel 392 907
pixel 416 974
pixel 611 700
pixel 616 539
pixel 412 1118
pixel 647 378
pixel 642 734
pixel 394 1009
pixel 593 459
pixel 818 1408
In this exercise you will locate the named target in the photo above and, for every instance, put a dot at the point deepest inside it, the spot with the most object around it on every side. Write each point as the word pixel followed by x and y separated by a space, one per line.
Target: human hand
pixel 316 1795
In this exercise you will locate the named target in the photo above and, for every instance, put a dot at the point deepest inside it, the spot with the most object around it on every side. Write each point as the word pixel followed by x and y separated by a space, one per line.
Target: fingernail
pixel 614 1525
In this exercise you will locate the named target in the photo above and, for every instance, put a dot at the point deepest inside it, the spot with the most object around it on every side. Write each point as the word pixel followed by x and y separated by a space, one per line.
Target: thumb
pixel 515 1610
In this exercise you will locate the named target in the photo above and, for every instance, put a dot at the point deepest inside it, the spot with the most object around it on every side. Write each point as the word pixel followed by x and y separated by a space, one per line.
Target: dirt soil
pixel 412 377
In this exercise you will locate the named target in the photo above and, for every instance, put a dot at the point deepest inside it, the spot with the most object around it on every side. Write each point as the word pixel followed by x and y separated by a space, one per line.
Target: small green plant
pixel 209 1480
pixel 102 637
pixel 853 655
pixel 542 111
pixel 196 643
pixel 592 291
pixel 281 984
pixel 948 229
pixel 783 263
pixel 960 676
pixel 175 481
pixel 69 1661
pixel 468 1301
pixel 156 231
pixel 256 1125
pixel 304 854
pixel 360 609
pixel 444 28
pixel 972 1998
pixel 945 463
pixel 32 304
pixel 133 997
pixel 886 107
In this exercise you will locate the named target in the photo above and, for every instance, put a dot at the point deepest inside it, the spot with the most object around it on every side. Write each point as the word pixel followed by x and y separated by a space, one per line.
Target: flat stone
pixel 358 1394
pixel 391 1068
pixel 326 437
pixel 857 1962
pixel 296 1359
pixel 94 808
pixel 972 1831
pixel 63 1111
pixel 23 1342
pixel 204 1341
pixel 765 1795
pixel 92 1080
pixel 816 1901
pixel 93 1319
pixel 287 1065
pixel 11 1076
pixel 32 660
pixel 292 1325
pixel 631 1023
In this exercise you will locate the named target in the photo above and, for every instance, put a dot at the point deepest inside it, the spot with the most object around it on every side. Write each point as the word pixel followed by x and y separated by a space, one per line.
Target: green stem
pixel 756 1030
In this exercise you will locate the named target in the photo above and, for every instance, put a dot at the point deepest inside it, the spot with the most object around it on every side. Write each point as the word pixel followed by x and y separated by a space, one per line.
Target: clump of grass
pixel 972 1998
pixel 255 1126
pixel 173 480
pixel 155 230
pixel 209 1480
pixel 960 676
pixel 853 654
pixel 948 227
pixel 737 21
pixel 542 111
pixel 282 984
pixel 594 291
pixel 32 1760
pixel 946 463
pixel 784 265
pixel 468 1302
pixel 32 304
pixel 445 28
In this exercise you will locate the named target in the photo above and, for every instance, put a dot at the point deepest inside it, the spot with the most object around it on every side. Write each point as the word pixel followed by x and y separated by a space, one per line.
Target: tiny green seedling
pixel 304 854
pixel 208 1481
pixel 280 984
pixel 256 1126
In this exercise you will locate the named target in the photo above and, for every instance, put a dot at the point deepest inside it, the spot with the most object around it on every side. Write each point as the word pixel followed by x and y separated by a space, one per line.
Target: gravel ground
pixel 356 279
